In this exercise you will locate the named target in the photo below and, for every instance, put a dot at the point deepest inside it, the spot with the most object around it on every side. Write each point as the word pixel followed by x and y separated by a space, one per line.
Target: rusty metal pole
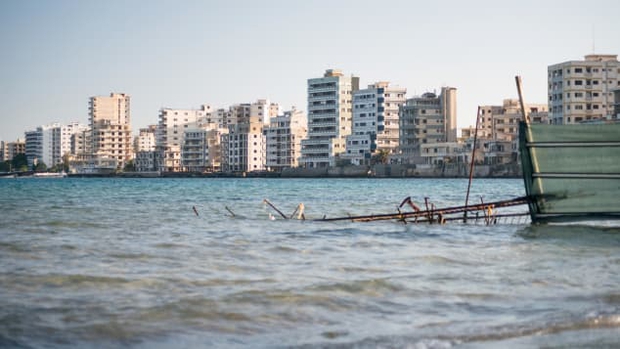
pixel 471 166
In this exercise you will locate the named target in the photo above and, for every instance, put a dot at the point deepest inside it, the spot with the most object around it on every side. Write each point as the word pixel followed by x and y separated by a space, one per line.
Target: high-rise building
pixel 243 147
pixel 375 121
pixel 427 119
pixel 110 124
pixel 330 110
pixel 283 137
pixel 202 151
pixel 43 145
pixel 583 90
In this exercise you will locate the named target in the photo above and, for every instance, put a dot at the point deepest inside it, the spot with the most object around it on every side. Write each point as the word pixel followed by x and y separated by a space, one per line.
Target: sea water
pixel 108 263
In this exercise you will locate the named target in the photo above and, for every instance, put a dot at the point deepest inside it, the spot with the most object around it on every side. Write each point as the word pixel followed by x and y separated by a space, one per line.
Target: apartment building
pixel 171 130
pixel 283 139
pixel 375 122
pixel 426 119
pixel 500 128
pixel 581 91
pixel 501 122
pixel 110 124
pixel 70 136
pixel 330 110
pixel 145 143
pixel 11 149
pixel 43 145
pixel 444 152
pixel 81 145
pixel 264 110
pixel 202 151
pixel 8 150
pixel 243 147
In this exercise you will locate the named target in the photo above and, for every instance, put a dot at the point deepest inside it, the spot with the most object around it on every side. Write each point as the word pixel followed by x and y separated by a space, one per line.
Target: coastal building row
pixel 344 124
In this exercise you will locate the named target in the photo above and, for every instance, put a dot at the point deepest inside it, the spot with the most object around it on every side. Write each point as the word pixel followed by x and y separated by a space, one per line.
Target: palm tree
pixel 380 157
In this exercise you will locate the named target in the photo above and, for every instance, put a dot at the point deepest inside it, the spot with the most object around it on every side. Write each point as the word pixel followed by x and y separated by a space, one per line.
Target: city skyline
pixel 184 55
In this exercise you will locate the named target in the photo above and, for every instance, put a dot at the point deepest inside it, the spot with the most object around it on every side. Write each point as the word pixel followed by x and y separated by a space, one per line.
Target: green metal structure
pixel 571 172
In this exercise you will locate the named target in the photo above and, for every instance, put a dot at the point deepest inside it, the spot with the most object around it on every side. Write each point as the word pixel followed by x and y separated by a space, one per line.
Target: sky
pixel 56 54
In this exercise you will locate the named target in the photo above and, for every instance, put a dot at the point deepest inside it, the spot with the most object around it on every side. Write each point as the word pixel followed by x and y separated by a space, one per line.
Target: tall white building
pixel 330 110
pixel 427 119
pixel 283 139
pixel 375 121
pixel 110 123
pixel 583 90
pixel 43 145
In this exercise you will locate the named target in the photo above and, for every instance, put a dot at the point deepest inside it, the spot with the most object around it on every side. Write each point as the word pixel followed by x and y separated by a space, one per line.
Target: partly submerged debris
pixel 486 213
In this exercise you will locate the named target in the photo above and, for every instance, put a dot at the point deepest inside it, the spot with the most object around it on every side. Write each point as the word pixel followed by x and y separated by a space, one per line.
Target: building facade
pixel 425 120
pixel 110 124
pixel 43 145
pixel 375 122
pixel 283 139
pixel 581 91
pixel 202 151
pixel 8 150
pixel 145 159
pixel 243 147
pixel 70 136
pixel 501 122
pixel 171 130
pixel 330 110
pixel 499 129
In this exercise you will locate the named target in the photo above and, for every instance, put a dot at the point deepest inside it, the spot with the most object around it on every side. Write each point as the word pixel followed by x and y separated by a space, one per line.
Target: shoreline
pixel 378 171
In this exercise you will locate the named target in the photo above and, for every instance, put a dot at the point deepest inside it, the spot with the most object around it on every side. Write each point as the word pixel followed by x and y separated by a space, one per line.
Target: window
pixel 578 82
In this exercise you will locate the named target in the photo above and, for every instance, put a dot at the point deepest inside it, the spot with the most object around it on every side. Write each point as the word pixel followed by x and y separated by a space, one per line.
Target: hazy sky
pixel 181 54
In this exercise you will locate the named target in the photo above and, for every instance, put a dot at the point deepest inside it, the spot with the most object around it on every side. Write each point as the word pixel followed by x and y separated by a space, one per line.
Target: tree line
pixel 19 163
